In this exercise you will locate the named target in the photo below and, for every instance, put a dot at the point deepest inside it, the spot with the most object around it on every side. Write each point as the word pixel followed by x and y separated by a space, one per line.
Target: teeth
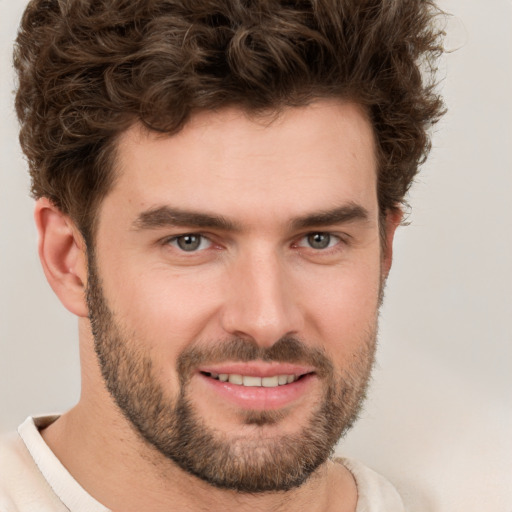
pixel 282 379
pixel 270 382
pixel 236 379
pixel 251 381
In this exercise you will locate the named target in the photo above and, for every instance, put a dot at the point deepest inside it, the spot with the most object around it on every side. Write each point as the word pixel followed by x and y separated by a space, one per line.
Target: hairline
pixel 272 114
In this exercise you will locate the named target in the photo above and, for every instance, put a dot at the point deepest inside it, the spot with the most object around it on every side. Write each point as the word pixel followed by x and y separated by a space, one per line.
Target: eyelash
pixel 174 241
pixel 331 237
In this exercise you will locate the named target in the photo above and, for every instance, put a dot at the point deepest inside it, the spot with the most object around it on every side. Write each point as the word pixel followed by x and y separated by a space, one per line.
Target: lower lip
pixel 261 398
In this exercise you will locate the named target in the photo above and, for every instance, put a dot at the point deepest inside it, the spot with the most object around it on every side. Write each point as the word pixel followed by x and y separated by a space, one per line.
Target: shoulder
pixel 375 493
pixel 22 486
pixel 11 453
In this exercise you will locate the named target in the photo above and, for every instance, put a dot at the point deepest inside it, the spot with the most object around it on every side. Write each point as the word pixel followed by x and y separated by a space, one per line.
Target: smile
pixel 254 381
pixel 258 387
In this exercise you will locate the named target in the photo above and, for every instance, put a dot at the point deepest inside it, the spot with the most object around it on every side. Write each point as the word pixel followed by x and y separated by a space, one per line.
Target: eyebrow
pixel 341 215
pixel 165 216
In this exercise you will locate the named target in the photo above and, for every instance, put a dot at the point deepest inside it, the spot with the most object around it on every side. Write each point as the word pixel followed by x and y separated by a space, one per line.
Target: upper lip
pixel 257 369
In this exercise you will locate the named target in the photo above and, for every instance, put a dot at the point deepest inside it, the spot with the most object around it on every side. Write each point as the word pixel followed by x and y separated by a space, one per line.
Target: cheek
pixel 343 306
pixel 165 309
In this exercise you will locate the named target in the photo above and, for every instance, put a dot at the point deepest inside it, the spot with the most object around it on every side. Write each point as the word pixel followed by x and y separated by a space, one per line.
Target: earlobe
pixel 392 221
pixel 63 256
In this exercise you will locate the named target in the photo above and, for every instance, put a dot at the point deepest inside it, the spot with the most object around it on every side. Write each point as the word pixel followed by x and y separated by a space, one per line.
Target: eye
pixel 190 242
pixel 319 241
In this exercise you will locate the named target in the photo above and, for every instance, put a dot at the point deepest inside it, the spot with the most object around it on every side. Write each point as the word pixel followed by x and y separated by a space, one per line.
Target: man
pixel 218 185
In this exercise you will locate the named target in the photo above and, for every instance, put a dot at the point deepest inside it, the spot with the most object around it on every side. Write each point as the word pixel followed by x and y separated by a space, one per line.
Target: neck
pixel 121 471
pixel 110 460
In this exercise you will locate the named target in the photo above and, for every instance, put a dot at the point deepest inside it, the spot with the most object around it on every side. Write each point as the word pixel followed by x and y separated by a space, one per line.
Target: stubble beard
pixel 255 464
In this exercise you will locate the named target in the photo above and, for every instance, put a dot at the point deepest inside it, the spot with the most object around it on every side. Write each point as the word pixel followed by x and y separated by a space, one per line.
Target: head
pixel 236 171
pixel 89 70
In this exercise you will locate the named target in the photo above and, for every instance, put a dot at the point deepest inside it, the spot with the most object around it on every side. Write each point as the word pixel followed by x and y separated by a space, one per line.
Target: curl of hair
pixel 88 69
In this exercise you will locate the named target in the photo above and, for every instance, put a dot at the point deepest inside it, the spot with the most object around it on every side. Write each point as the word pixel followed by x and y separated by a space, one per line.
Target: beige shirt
pixel 32 479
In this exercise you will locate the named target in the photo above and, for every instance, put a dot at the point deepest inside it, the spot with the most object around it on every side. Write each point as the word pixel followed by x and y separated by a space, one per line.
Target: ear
pixel 63 255
pixel 392 220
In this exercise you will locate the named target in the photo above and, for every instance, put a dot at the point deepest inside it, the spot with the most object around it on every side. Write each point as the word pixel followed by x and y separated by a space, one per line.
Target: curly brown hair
pixel 89 69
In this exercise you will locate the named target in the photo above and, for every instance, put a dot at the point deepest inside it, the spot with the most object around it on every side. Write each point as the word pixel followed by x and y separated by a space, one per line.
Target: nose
pixel 261 303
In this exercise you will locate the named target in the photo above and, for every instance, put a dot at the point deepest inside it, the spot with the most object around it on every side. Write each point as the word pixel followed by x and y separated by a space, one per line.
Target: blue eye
pixel 190 242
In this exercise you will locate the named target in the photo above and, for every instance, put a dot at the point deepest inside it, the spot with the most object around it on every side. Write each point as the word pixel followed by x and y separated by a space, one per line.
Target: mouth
pixel 253 381
pixel 258 386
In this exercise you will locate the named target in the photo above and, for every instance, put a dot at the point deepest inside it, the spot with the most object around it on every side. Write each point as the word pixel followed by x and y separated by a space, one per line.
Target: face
pixel 234 289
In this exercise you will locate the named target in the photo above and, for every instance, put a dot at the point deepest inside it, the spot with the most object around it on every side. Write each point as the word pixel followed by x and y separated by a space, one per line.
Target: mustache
pixel 286 350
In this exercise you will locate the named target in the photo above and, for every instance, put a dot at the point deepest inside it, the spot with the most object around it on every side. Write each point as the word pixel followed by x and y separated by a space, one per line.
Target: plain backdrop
pixel 438 422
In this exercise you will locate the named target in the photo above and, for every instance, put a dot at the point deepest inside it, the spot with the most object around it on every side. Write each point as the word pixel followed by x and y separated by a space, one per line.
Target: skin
pixel 260 281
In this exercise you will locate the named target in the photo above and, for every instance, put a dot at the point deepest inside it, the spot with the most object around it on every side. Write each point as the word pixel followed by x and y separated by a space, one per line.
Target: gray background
pixel 439 419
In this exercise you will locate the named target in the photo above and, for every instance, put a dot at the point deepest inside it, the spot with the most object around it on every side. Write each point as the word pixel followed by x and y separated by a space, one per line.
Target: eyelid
pixel 337 237
pixel 300 241
pixel 172 240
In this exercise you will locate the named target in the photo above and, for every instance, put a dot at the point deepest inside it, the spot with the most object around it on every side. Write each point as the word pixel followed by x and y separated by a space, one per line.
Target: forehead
pixel 227 162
